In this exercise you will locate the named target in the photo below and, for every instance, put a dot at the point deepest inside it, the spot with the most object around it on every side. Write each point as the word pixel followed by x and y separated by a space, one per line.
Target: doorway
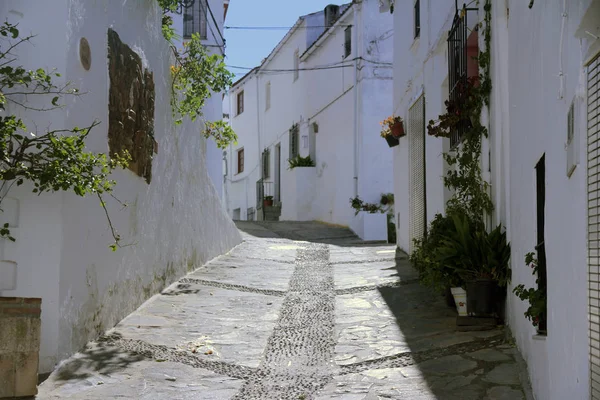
pixel 277 194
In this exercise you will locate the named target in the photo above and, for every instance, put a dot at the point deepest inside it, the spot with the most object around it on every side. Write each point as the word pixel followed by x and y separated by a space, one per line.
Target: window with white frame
pixel 267 95
pixel 347 41
pixel 417 19
pixel 240 103
pixel 296 65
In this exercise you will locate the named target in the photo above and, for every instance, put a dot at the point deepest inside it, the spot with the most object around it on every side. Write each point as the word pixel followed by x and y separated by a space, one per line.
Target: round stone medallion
pixel 85 54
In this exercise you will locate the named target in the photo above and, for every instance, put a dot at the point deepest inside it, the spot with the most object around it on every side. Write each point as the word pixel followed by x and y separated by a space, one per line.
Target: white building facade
pixel 540 160
pixel 174 222
pixel 320 93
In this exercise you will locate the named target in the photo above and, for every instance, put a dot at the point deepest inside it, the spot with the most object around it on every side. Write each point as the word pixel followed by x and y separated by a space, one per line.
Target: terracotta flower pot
pixel 267 203
pixel 398 129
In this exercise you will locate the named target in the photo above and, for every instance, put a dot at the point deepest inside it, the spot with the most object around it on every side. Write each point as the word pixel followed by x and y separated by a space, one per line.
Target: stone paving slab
pixel 297 311
pixel 233 326
pixel 146 380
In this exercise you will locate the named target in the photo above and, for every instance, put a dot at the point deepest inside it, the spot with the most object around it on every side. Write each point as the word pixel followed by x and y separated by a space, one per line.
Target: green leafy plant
pixel 537 297
pixel 387 199
pixel 300 162
pixel 49 161
pixel 269 198
pixel 473 252
pixel 359 205
pixel 433 272
pixel 196 76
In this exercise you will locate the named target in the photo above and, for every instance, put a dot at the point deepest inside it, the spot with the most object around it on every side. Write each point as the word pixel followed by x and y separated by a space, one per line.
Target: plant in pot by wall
pixel 268 201
pixel 392 128
pixel 435 272
pixel 480 258
pixel 536 312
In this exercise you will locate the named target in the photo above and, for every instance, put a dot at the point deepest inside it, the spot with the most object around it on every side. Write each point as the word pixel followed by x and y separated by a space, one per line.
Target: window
pixel 294 139
pixel 194 19
pixel 347 41
pixel 540 173
pixel 240 102
pixel 240 161
pixel 417 15
pixel 266 164
pixel 572 140
pixel 296 65
pixel 268 95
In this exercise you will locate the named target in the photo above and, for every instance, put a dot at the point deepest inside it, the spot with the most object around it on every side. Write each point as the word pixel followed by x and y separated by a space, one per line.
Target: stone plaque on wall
pixel 130 106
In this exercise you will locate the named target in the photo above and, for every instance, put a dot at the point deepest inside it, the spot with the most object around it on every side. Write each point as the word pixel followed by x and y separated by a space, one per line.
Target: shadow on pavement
pixel 309 231
pixel 97 359
pixel 455 365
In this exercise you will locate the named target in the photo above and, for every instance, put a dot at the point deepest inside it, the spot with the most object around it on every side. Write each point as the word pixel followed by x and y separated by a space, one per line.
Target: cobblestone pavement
pixel 297 311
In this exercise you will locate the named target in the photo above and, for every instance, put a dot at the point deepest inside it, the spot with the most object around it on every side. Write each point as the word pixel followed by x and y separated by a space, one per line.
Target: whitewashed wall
pixel 527 119
pixel 558 365
pixel 325 97
pixel 420 67
pixel 176 223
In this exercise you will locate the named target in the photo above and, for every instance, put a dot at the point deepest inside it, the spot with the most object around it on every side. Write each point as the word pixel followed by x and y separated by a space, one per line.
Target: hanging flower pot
pixel 392 141
pixel 392 127
pixel 398 128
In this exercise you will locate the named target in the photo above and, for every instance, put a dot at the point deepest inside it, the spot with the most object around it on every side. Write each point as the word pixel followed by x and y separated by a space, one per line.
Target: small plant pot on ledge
pixel 392 141
pixel 460 299
pixel 267 203
pixel 481 296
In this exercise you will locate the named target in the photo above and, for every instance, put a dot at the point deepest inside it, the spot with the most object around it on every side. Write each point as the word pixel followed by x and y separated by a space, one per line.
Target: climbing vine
pixel 196 76
pixel 470 190
pixel 50 161
pixel 464 178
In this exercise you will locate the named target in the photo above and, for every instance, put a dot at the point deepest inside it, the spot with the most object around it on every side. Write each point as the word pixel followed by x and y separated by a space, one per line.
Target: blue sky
pixel 247 48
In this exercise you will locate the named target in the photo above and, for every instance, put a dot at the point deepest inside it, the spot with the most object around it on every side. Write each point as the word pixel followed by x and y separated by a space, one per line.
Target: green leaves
pixel 196 76
pixel 55 160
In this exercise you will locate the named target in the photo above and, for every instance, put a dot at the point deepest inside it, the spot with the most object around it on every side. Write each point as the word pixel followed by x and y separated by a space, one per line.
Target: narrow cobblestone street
pixel 297 311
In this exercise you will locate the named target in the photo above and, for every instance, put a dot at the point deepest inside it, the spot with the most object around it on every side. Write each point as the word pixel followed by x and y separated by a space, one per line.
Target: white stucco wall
pixel 420 67
pixel 527 118
pixel 558 365
pixel 174 224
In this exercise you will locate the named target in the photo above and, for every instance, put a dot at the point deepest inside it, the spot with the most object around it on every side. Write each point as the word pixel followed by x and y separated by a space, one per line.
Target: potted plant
pixel 480 258
pixel 268 201
pixel 434 269
pixel 392 129
pixel 395 125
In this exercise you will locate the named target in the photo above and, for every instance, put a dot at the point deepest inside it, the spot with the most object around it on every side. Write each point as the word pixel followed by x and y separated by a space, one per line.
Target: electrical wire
pixel 215 22
pixel 291 70
pixel 344 64
pixel 275 28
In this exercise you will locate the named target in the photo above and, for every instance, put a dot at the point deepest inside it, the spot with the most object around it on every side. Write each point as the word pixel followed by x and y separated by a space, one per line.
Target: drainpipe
pixel 355 44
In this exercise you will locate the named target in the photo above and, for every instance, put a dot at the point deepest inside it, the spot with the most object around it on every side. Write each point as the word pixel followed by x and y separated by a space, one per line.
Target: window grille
pixel 195 19
pixel 294 141
pixel 457 68
pixel 593 178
